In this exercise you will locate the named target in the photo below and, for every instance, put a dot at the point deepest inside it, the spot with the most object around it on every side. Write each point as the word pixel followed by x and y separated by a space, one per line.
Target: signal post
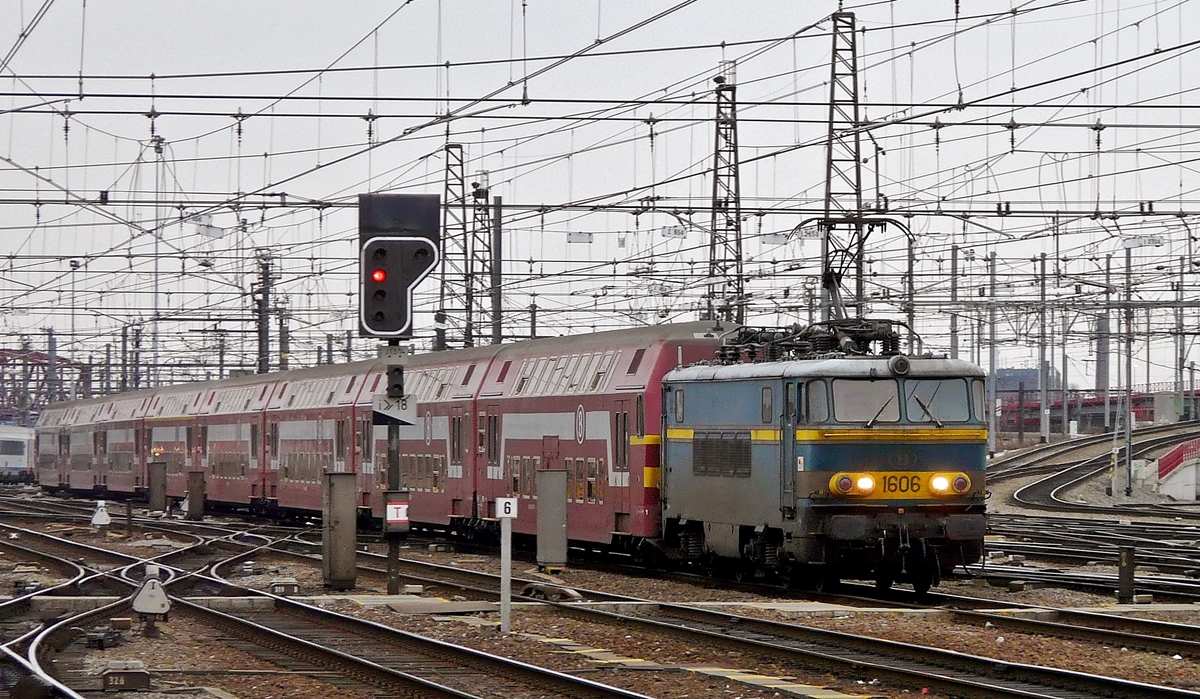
pixel 399 246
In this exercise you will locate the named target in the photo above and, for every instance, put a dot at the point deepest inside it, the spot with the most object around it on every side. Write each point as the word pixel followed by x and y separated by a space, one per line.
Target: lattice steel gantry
pixel 452 318
pixel 726 295
pixel 843 169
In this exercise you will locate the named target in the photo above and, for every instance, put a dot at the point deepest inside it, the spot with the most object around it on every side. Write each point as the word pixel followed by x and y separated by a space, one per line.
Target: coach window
pixel 255 442
pixel 591 480
pixel 679 405
pixel 816 402
pixel 482 432
pixel 456 439
pixel 641 416
pixel 273 434
pixel 204 440
pixel 768 405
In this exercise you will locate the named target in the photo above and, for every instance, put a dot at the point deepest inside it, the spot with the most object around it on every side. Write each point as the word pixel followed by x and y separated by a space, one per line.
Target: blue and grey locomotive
pixel 805 454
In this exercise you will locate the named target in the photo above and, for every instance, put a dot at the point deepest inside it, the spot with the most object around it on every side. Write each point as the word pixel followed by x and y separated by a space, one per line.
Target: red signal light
pixel 378 276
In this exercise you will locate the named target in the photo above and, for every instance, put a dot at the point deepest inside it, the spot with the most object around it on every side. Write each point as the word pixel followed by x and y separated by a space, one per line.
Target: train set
pixel 818 453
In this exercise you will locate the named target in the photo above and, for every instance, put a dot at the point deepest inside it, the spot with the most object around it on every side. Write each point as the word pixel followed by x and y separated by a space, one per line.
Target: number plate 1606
pixel 901 483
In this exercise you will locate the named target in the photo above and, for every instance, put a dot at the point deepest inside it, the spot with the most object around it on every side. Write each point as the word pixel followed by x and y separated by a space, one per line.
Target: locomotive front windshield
pixel 865 401
pixel 935 401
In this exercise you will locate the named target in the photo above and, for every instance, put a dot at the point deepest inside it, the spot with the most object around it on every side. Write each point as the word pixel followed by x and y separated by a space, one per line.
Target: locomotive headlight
pixel 949 483
pixel 853 484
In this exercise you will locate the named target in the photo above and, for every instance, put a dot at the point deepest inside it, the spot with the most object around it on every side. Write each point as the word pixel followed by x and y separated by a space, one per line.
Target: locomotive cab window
pixel 678 405
pixel 977 399
pixel 936 400
pixel 869 401
pixel 816 402
pixel 768 406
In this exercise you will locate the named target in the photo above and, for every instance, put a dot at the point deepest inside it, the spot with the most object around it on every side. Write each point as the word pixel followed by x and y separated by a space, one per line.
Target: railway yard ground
pixel 629 650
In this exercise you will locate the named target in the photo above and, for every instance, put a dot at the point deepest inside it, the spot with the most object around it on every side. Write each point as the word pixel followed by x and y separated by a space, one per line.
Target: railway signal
pixel 399 237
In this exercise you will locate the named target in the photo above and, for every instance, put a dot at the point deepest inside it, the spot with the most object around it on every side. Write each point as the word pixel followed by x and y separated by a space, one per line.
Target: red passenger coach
pixel 122 456
pixel 231 426
pixel 439 463
pixel 581 404
pixel 487 420
pixel 171 433
pixel 52 447
pixel 309 421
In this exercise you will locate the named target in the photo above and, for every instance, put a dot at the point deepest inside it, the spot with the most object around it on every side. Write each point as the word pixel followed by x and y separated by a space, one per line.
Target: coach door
pixel 618 477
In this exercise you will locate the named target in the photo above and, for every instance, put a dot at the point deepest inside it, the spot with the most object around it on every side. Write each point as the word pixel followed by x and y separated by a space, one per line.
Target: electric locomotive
pixel 807 454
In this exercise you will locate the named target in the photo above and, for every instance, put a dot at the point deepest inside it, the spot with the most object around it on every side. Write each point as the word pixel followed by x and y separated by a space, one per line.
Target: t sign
pixel 506 508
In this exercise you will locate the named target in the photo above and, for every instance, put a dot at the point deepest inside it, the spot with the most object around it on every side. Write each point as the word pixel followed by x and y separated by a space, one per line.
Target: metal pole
pixel 1180 345
pixel 393 475
pixel 991 380
pixel 349 346
pixel 329 348
pixel 1148 345
pixel 124 357
pixel 1021 413
pixel 1128 372
pixel 51 368
pixel 497 258
pixel 1107 340
pixel 1043 373
pixel 505 574
pixel 284 341
pixel 954 301
pixel 1192 388
pixel 1066 408
pixel 912 262
pixel 264 317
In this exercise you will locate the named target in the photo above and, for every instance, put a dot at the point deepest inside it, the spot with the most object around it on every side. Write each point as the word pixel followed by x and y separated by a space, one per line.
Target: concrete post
pixel 156 484
pixel 339 537
pixel 1126 564
pixel 551 521
pixel 195 496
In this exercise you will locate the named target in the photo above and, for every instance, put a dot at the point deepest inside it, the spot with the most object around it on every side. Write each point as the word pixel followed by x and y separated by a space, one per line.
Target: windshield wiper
pixel 928 412
pixel 886 403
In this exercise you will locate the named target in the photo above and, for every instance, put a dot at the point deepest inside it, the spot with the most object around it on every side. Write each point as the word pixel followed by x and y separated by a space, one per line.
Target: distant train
pixel 816 468
pixel 16 454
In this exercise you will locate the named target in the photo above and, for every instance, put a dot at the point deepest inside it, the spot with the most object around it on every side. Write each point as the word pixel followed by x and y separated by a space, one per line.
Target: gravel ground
pixel 1020 648
pixel 542 622
pixel 185 644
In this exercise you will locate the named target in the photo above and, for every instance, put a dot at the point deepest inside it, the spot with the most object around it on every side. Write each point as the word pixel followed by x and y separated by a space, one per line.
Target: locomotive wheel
pixel 922 577
pixel 884 582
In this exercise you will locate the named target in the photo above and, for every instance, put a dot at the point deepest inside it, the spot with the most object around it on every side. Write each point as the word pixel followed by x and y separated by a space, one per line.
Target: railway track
pixel 302 637
pixel 1050 457
pixel 947 671
pixel 1143 634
